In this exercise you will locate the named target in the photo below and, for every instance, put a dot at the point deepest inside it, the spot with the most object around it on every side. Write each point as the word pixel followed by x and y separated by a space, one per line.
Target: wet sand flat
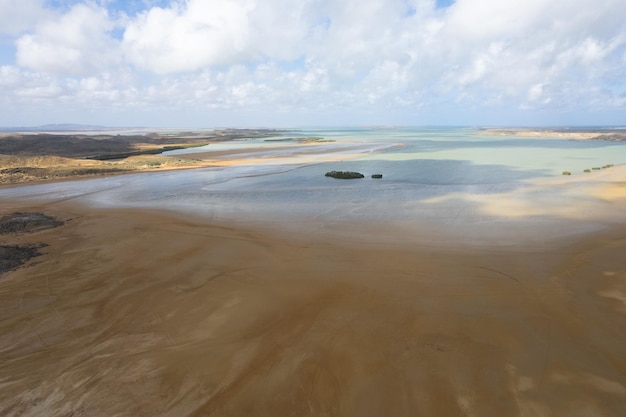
pixel 304 153
pixel 139 313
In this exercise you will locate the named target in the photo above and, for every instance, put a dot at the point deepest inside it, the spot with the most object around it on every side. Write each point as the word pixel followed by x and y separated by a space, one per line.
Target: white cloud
pixel 10 77
pixel 75 43
pixel 17 16
pixel 322 55
pixel 196 34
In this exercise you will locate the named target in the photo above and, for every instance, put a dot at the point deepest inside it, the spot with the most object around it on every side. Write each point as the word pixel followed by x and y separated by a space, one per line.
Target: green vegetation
pixel 377 175
pixel 110 156
pixel 598 168
pixel 567 173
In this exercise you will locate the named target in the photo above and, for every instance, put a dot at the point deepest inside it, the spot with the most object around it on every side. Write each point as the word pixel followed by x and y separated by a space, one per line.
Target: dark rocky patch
pixel 14 256
pixel 20 222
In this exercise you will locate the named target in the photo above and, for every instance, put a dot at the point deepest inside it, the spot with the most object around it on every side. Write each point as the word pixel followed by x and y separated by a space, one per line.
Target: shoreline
pixel 540 212
pixel 61 171
pixel 23 170
pixel 297 153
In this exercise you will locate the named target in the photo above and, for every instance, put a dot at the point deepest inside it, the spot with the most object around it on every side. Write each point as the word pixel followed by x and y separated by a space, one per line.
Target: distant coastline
pixel 617 134
pixel 53 156
pixel 48 155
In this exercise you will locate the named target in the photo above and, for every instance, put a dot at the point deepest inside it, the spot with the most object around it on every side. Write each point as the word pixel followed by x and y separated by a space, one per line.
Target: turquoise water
pixel 537 156
pixel 429 152
pixel 418 167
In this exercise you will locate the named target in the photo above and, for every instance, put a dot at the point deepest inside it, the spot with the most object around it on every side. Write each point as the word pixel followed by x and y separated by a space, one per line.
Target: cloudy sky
pixel 207 63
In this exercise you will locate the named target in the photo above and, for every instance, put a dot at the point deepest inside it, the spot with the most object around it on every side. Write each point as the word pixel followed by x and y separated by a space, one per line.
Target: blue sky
pixel 204 63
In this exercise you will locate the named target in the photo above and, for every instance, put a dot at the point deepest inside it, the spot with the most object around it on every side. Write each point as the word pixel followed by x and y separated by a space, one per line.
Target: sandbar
pixel 612 134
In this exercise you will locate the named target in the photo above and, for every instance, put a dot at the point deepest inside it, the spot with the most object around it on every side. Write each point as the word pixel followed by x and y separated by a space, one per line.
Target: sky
pixel 295 63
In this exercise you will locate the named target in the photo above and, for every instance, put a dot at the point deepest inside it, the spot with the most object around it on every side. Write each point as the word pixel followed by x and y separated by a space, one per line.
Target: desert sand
pixel 139 313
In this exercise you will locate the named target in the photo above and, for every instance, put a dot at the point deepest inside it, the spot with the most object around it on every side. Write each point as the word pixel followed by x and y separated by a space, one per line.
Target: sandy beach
pixel 139 313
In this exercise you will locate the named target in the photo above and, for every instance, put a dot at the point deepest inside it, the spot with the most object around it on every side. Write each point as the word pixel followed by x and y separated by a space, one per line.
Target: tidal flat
pixel 472 279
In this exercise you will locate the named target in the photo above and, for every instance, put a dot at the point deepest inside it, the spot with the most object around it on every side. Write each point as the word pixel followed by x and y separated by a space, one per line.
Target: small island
pixel 344 175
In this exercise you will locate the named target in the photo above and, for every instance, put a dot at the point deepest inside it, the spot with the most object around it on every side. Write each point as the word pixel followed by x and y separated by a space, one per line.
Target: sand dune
pixel 145 314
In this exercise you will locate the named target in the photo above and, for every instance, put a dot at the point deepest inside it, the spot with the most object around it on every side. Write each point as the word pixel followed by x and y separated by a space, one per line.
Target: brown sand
pixel 147 314
pixel 19 170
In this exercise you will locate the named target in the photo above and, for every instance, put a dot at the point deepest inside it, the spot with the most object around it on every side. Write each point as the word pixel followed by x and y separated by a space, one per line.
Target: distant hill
pixel 60 127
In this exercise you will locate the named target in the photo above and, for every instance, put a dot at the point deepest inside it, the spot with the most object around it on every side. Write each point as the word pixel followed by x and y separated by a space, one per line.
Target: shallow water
pixel 419 167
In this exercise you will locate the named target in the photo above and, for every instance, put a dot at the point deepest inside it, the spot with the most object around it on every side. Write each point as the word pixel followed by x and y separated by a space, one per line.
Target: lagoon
pixel 439 185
